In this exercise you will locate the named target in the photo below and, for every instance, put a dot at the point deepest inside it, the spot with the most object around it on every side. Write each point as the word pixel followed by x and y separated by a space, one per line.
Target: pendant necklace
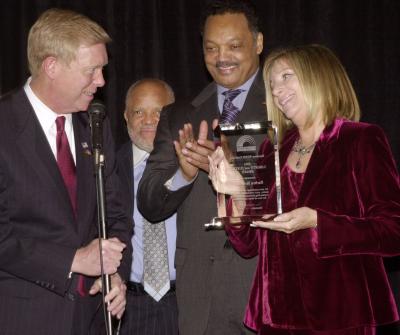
pixel 301 150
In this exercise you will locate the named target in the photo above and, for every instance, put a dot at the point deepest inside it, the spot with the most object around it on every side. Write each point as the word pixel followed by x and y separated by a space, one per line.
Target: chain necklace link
pixel 301 150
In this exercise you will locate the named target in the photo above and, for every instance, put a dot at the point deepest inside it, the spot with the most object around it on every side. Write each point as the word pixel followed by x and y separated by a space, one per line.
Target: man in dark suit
pixel 146 313
pixel 49 253
pixel 213 281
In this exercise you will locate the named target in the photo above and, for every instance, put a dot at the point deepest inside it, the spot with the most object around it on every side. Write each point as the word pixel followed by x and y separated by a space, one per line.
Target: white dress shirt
pixel 47 120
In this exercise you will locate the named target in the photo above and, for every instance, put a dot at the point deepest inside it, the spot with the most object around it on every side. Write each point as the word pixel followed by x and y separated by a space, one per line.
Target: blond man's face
pixel 75 84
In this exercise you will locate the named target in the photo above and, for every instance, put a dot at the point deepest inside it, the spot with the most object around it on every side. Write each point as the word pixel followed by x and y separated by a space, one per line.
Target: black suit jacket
pixel 202 258
pixel 125 172
pixel 39 234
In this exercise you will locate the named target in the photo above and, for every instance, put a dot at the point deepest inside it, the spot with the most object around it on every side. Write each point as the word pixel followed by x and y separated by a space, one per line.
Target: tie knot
pixel 60 122
pixel 231 94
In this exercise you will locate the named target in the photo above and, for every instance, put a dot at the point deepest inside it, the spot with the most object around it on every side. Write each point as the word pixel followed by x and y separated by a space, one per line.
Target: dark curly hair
pixel 220 7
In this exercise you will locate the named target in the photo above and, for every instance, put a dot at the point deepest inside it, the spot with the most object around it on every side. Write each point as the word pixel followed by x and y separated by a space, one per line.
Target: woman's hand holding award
pixel 238 173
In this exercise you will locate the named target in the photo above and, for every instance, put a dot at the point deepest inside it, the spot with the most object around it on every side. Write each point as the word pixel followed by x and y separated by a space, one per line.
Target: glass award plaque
pixel 241 146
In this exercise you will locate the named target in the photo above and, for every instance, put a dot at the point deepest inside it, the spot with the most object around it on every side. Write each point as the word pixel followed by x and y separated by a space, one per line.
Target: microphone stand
pixel 101 221
pixel 96 113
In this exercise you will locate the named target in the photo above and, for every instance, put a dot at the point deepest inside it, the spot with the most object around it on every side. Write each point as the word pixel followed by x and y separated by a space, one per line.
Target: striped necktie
pixel 229 110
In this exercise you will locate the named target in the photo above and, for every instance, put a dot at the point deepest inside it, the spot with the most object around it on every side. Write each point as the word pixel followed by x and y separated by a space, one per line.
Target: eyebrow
pixel 233 39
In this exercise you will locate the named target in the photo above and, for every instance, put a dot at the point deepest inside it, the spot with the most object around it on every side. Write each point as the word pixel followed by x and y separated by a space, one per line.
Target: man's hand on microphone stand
pixel 87 259
pixel 116 297
pixel 87 262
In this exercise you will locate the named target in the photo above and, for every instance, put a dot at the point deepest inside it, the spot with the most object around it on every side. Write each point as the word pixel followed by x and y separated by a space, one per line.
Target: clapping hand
pixel 224 177
pixel 193 154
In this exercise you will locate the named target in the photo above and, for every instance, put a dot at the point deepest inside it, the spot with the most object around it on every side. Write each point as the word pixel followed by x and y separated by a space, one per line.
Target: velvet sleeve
pixel 244 239
pixel 375 182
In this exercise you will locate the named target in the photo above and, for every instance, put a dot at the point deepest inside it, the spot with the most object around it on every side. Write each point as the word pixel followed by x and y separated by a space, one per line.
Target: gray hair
pixel 168 88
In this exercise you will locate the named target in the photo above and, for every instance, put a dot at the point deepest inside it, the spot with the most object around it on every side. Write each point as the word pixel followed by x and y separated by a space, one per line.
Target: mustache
pixel 148 128
pixel 219 64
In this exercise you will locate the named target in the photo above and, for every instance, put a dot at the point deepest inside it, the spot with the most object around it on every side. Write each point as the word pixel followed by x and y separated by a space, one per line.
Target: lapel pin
pixel 85 148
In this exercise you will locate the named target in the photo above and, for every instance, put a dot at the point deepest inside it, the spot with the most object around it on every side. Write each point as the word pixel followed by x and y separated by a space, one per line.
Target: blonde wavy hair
pixel 59 33
pixel 323 80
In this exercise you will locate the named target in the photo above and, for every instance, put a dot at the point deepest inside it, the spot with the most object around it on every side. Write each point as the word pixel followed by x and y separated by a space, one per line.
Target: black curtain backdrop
pixel 161 38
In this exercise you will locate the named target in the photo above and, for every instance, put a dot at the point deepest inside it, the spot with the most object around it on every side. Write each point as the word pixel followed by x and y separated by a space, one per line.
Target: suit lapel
pixel 254 108
pixel 127 169
pixel 205 108
pixel 33 144
pixel 312 174
pixel 128 163
pixel 315 165
pixel 320 158
pixel 84 172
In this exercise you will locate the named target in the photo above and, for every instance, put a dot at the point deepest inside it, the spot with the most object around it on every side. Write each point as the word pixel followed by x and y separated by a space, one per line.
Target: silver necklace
pixel 302 150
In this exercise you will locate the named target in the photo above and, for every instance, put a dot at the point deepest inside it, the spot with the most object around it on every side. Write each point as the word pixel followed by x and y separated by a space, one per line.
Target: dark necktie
pixel 65 161
pixel 66 165
pixel 229 110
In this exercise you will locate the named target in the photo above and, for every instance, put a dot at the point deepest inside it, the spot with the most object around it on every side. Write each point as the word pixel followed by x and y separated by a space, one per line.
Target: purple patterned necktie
pixel 229 110
pixel 66 165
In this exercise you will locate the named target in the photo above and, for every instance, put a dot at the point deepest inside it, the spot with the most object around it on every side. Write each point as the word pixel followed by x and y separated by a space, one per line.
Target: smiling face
pixel 142 113
pixel 287 93
pixel 73 85
pixel 231 51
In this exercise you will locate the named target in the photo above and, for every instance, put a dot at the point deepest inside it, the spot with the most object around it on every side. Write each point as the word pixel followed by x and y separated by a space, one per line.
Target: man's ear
pixel 49 66
pixel 259 43
pixel 126 116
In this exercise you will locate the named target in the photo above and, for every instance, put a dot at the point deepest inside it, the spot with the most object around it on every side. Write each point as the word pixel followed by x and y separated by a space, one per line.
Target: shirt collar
pixel 46 116
pixel 245 87
pixel 139 155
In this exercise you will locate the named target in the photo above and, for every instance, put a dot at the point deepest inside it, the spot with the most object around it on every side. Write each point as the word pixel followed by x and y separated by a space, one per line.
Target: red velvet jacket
pixel 330 277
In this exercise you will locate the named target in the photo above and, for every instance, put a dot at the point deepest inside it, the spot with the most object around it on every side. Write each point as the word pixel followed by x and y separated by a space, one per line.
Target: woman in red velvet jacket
pixel 320 268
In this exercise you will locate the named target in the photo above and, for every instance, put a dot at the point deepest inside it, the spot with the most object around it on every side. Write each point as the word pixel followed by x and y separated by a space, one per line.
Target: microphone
pixel 97 112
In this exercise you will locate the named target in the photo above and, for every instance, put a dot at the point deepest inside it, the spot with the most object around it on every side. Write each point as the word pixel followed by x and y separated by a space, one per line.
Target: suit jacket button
pixel 212 258
pixel 70 296
pixel 227 245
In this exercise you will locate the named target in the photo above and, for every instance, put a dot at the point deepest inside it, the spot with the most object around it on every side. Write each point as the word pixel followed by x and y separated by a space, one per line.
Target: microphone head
pixel 97 109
